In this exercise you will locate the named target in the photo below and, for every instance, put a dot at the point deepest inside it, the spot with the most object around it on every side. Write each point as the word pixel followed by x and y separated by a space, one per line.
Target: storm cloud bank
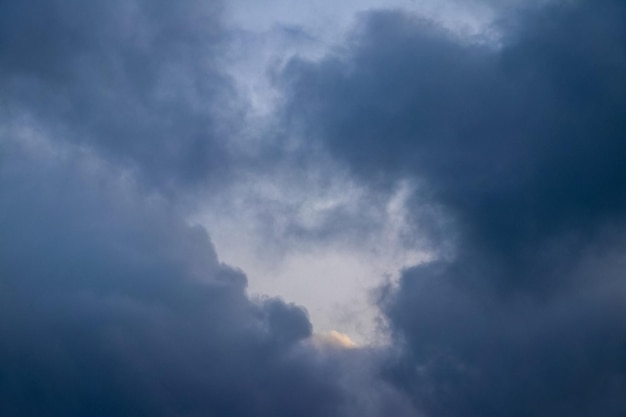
pixel 111 304
pixel 139 81
pixel 520 144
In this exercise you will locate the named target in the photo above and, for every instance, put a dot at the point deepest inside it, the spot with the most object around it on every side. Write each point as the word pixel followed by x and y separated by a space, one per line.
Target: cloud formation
pixel 520 145
pixel 105 74
pixel 500 134
pixel 114 114
pixel 110 303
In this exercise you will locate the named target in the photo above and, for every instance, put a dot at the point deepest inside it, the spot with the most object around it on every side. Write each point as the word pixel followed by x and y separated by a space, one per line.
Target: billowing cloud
pixel 519 142
pixel 500 134
pixel 112 305
pixel 505 151
pixel 104 74
pixel 110 302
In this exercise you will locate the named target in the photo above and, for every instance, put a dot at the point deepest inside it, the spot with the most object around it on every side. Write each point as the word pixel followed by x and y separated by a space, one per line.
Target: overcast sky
pixel 317 208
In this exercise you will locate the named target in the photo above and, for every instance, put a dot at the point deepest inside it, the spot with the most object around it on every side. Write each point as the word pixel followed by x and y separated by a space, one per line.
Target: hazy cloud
pixel 104 74
pixel 110 302
pixel 520 143
pixel 505 152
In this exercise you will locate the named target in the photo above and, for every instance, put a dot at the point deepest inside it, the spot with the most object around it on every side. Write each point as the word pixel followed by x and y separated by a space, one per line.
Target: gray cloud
pixel 104 74
pixel 501 136
pixel 468 353
pixel 521 146
pixel 110 303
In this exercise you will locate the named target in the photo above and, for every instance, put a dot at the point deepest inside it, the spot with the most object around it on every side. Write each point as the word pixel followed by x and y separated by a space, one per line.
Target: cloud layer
pixel 105 75
pixel 520 144
pixel 114 116
pixel 110 303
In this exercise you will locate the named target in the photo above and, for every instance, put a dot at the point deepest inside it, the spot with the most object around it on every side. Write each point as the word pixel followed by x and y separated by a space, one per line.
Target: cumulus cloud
pixel 510 149
pixel 110 302
pixel 520 144
pixel 104 74
pixel 112 305
pixel 499 134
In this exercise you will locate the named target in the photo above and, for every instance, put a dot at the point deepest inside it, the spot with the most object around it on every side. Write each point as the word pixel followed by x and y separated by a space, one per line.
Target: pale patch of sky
pixel 332 274
pixel 252 224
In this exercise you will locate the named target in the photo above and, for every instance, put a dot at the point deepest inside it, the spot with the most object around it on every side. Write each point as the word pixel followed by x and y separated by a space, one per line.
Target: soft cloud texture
pixel 120 122
pixel 105 74
pixel 112 305
pixel 114 115
pixel 520 144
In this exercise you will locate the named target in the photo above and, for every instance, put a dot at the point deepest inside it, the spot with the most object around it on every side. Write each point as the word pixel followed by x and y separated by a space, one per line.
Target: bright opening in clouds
pixel 326 245
pixel 280 261
pixel 316 208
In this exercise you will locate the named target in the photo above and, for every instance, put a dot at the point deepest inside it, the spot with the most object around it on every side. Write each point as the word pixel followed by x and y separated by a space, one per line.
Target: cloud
pixel 115 114
pixel 472 353
pixel 500 135
pixel 104 74
pixel 519 144
pixel 110 302
pixel 112 305
pixel 334 339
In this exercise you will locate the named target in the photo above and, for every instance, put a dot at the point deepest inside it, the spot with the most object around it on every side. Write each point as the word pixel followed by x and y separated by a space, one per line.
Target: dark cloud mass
pixel 520 142
pixel 104 74
pixel 111 304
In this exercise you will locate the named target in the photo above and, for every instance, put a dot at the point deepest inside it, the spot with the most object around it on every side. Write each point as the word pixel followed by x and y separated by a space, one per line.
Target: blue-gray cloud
pixel 502 136
pixel 521 144
pixel 110 303
pixel 105 74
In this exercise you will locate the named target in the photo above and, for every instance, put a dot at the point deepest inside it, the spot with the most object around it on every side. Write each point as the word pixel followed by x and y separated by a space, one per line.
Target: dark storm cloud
pixel 111 305
pixel 521 145
pixel 106 74
pixel 521 142
pixel 471 354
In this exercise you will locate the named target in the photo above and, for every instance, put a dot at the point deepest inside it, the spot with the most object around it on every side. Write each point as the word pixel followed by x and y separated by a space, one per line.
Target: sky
pixel 270 208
